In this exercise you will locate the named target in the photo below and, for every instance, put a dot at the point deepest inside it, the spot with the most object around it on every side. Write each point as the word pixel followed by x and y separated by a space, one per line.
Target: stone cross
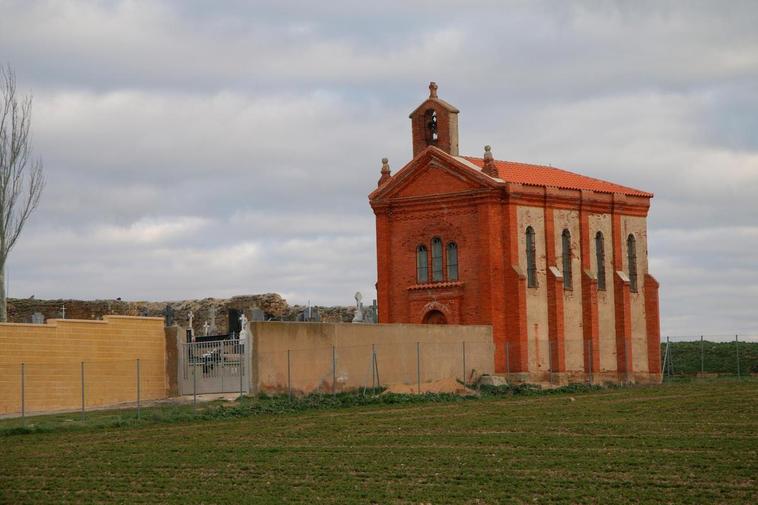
pixel 168 312
pixel 190 317
pixel 206 328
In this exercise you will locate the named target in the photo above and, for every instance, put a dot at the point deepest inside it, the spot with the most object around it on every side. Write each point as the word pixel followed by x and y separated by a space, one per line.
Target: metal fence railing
pixel 36 388
pixel 41 388
pixel 709 355
pixel 399 366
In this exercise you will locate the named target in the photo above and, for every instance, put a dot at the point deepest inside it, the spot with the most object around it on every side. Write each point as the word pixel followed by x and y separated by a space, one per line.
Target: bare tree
pixel 21 177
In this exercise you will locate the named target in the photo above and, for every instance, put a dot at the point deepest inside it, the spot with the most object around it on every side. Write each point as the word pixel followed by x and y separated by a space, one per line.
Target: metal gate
pixel 216 366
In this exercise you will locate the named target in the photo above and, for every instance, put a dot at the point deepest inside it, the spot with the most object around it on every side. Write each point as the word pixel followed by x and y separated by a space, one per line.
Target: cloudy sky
pixel 201 148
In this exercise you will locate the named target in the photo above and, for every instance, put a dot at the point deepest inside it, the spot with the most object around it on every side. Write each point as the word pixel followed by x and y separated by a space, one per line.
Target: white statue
pixel 243 331
pixel 190 317
pixel 358 317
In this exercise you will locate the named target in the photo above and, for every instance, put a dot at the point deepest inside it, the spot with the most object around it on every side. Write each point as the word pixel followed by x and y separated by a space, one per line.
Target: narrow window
pixel 600 256
pixel 531 259
pixel 566 236
pixel 422 264
pixel 452 261
pixel 436 259
pixel 631 253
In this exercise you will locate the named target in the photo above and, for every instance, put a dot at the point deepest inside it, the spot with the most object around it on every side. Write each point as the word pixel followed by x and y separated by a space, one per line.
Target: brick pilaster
pixel 590 317
pixel 515 292
pixel 653 325
pixel 623 303
pixel 555 313
pixel 383 258
pixel 492 274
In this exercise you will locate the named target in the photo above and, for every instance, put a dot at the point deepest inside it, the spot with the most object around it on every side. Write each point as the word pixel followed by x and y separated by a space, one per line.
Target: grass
pixel 717 357
pixel 686 442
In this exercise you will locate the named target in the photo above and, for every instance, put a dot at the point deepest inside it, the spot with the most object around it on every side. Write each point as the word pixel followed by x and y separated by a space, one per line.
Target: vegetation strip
pixel 604 447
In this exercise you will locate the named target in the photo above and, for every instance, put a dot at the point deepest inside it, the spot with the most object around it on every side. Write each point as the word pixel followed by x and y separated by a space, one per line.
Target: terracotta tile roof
pixel 540 175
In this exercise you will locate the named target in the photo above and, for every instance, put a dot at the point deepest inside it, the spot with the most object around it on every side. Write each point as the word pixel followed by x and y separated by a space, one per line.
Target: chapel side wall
pixel 572 298
pixel 638 227
pixel 605 298
pixel 536 298
pixel 311 347
pixel 52 354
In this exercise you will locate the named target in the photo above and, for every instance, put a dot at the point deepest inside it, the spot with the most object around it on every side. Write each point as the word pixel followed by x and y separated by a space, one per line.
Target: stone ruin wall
pixel 275 307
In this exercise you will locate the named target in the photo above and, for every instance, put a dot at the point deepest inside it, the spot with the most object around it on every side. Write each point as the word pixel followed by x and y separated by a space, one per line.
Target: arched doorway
pixel 435 317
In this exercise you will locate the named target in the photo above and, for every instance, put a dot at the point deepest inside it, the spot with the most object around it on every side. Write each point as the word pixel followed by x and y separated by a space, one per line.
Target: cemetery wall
pixel 52 354
pixel 311 349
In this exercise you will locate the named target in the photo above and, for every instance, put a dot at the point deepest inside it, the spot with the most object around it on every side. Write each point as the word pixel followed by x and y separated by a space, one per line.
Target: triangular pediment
pixel 433 172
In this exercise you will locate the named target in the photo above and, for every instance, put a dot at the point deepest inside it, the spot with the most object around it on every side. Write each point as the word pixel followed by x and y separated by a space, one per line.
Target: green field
pixel 693 442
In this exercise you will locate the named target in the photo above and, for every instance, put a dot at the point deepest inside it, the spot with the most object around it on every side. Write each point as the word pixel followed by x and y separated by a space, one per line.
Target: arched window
pixel 531 259
pixel 600 256
pixel 437 259
pixel 422 265
pixel 452 261
pixel 631 254
pixel 566 236
pixel 430 123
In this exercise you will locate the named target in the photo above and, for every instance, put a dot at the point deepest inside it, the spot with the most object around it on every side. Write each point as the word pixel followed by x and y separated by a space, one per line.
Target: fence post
pixel 223 351
pixel 373 368
pixel 507 361
pixel 627 362
pixel 23 406
pixel 418 367
pixel 702 356
pixel 82 390
pixel 671 356
pixel 737 349
pixel 241 367
pixel 464 362
pixel 138 390
pixel 289 376
pixel 334 369
pixel 194 385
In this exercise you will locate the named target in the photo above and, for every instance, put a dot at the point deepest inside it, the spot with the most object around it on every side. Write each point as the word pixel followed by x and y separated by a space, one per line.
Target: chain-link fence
pixel 403 367
pixel 709 356
pixel 42 388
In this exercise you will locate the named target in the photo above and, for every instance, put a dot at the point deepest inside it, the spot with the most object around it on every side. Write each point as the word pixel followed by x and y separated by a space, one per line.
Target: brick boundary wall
pixel 52 354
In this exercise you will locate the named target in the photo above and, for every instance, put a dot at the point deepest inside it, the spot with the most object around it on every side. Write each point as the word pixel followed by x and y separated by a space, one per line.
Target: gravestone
pixel 212 330
pixel 190 329
pixel 168 315
pixel 370 314
pixel 38 318
pixel 310 314
pixel 257 314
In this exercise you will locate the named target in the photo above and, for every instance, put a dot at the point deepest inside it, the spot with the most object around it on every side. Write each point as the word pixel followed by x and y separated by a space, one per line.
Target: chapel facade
pixel 554 261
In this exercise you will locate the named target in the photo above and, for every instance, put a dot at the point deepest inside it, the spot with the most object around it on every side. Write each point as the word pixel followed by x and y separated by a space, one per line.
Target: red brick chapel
pixel 554 261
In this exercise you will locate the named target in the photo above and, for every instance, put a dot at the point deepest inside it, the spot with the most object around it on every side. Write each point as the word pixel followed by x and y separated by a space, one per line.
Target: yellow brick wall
pixel 52 355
